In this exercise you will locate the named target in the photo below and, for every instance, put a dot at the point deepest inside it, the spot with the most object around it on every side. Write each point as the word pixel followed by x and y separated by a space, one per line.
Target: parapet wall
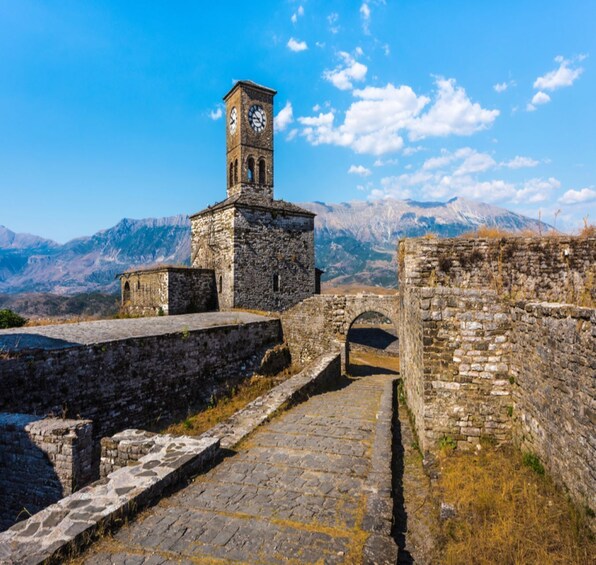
pixel 41 460
pixel 553 363
pixel 555 269
pixel 477 363
pixel 134 382
pixel 454 355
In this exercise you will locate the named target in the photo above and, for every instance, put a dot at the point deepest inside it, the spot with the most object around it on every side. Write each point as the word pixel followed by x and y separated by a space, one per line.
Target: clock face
pixel 257 118
pixel 233 120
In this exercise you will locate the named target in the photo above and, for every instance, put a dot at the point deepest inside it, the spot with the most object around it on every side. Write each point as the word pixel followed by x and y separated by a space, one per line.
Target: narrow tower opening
pixel 251 170
pixel 262 171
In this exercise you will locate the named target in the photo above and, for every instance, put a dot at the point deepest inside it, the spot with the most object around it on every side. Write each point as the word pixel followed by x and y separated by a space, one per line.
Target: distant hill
pixel 355 244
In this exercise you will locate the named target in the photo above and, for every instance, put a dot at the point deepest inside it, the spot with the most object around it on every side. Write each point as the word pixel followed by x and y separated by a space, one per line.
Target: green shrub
pixel 10 319
pixel 533 462
pixel 447 443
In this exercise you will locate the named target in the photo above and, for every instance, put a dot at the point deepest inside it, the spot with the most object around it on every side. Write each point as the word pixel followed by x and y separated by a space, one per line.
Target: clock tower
pixel 249 140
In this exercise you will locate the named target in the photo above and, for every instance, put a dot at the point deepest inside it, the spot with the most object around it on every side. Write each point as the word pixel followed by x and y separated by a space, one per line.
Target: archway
pixel 372 345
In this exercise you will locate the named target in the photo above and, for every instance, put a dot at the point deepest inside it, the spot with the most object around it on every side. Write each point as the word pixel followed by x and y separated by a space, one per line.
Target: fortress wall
pixel 134 382
pixel 555 269
pixel 454 352
pixel 554 366
pixel 41 460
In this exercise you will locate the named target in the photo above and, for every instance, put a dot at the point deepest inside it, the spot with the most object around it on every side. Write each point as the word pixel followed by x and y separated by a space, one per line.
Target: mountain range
pixel 355 244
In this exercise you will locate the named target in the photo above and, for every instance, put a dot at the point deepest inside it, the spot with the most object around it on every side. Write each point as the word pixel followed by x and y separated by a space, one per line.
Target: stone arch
pixel 383 341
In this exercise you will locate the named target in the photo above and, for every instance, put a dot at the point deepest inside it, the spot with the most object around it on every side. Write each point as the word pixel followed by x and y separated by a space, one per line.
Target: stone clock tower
pixel 247 251
pixel 249 139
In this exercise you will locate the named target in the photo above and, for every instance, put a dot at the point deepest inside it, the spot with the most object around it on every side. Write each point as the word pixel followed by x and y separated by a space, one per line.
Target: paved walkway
pixel 300 490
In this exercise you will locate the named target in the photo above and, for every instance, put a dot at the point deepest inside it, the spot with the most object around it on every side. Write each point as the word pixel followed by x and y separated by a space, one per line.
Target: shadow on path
pixel 400 516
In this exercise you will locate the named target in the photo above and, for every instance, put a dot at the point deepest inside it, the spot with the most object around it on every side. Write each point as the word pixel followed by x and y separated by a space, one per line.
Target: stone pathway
pixel 300 490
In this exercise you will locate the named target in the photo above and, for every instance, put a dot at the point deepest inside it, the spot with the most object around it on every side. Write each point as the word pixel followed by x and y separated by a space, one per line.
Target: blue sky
pixel 113 109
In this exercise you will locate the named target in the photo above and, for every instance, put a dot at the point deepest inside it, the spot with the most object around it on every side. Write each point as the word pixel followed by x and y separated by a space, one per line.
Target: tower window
pixel 275 282
pixel 138 285
pixel 262 171
pixel 220 284
pixel 251 170
pixel 236 171
pixel 126 293
pixel 231 181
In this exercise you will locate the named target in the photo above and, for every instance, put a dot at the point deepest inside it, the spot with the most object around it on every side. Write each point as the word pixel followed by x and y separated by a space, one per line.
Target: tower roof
pixel 250 84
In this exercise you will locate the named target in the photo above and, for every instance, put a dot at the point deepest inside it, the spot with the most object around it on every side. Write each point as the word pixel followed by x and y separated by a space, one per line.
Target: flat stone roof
pixel 63 336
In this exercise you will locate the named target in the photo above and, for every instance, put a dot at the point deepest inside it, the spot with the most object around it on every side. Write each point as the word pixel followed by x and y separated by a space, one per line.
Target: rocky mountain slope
pixel 355 244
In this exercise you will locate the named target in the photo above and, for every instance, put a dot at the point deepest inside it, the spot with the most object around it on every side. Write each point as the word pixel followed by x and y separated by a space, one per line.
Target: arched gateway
pixel 322 322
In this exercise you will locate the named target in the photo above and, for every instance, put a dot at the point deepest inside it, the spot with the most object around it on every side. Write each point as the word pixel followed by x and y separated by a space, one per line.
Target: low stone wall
pixel 556 269
pixel 454 352
pixel 41 460
pixel 554 366
pixel 132 382
pixel 127 447
pixel 50 535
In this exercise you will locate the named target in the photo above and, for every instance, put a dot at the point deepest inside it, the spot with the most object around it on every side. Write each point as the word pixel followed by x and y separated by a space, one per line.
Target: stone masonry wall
pixel 269 243
pixel 212 247
pixel 137 381
pixel 146 293
pixel 455 364
pixel 41 460
pixel 556 269
pixel 191 290
pixel 554 366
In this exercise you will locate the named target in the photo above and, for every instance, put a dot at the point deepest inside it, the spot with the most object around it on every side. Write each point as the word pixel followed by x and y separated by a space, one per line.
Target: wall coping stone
pixel 75 518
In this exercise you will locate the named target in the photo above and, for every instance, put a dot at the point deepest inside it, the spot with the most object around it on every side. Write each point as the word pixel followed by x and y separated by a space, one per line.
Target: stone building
pixel 251 250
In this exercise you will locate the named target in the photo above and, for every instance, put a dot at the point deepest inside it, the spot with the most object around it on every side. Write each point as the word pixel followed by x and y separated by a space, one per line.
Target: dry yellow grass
pixel 226 406
pixel 508 514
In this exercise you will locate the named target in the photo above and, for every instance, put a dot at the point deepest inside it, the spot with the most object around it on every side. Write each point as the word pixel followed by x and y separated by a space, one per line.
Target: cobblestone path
pixel 298 491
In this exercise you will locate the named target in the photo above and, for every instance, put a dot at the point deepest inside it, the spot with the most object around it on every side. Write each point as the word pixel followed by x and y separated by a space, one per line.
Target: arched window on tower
pixel 126 293
pixel 220 284
pixel 231 181
pixel 261 171
pixel 236 171
pixel 251 170
pixel 275 282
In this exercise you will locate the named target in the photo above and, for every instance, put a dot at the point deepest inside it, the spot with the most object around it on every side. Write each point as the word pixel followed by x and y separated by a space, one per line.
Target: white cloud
pixel 359 170
pixel 503 86
pixel 292 134
pixel 409 151
pixel 375 122
pixel 538 99
pixel 581 196
pixel 297 14
pixel 365 15
pixel 456 174
pixel 216 114
pixel 565 75
pixel 297 46
pixel 384 162
pixel 452 113
pixel 332 20
pixel 284 117
pixel 344 74
pixel 520 162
